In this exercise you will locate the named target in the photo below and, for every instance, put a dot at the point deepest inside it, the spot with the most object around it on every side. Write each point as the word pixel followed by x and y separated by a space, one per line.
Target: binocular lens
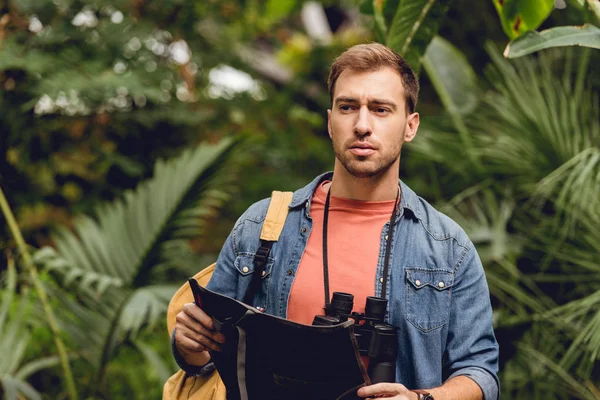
pixel 375 307
pixel 342 303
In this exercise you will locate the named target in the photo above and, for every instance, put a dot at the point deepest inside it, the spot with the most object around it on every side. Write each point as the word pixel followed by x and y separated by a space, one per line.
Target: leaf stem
pixel 16 233
pixel 417 25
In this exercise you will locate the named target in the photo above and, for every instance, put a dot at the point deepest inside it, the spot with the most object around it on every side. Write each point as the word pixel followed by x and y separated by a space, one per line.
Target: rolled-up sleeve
pixel 472 349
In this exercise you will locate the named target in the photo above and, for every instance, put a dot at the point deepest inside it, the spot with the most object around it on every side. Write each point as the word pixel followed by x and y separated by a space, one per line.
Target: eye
pixel 381 110
pixel 345 107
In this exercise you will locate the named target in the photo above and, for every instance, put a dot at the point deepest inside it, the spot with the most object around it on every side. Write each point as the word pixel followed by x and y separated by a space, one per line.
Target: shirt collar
pixel 302 196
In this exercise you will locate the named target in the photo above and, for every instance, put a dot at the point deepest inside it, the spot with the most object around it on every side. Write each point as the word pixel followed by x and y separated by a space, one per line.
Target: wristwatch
pixel 423 395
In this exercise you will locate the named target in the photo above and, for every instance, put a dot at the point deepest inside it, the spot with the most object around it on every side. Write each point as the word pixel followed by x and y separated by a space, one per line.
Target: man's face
pixel 368 122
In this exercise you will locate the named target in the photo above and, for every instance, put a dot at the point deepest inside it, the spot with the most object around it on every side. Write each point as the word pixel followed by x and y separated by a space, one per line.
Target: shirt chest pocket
pixel 428 297
pixel 244 264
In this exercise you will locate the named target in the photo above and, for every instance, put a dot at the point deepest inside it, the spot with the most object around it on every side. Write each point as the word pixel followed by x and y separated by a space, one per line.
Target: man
pixel 416 257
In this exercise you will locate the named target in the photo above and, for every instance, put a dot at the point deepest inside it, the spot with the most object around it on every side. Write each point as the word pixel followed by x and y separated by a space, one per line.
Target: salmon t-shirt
pixel 353 246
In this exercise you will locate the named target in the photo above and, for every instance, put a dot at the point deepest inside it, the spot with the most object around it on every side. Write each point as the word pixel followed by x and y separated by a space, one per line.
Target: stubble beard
pixel 363 167
pixel 367 166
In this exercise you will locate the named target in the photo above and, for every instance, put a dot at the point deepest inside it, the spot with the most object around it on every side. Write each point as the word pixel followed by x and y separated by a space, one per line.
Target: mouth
pixel 362 149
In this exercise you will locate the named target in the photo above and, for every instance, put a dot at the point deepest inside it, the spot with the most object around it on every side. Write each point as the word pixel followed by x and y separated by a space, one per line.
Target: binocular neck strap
pixel 387 249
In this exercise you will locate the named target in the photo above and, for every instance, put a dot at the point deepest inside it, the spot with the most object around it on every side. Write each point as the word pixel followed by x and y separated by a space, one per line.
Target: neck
pixel 376 188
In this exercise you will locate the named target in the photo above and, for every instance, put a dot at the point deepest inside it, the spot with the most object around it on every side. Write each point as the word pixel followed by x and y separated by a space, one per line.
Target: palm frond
pixel 32 367
pixel 14 337
pixel 111 257
pixel 15 388
pixel 146 305
pixel 543 133
pixel 126 239
pixel 161 368
pixel 50 260
pixel 485 217
pixel 572 385
pixel 582 318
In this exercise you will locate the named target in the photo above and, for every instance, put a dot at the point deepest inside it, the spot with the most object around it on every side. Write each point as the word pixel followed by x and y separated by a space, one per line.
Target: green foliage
pixel 14 338
pixel 109 260
pixel 532 41
pixel 414 25
pixel 520 16
pixel 94 93
pixel 406 26
pixel 452 76
pixel 532 212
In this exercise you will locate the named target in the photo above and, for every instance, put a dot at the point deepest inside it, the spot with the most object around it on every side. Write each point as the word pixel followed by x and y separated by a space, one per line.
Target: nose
pixel 363 126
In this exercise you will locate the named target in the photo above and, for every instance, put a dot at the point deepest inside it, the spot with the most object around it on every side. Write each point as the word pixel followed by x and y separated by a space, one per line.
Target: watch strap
pixel 423 394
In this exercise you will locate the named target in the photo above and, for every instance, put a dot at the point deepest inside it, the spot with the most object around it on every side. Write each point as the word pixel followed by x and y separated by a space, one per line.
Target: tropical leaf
pixel 452 76
pixel 485 216
pixel 146 305
pixel 415 24
pixel 111 257
pixel 541 132
pixel 14 389
pixel 51 260
pixel 14 337
pixel 456 85
pixel 32 367
pixel 127 237
pixel 580 317
pixel 594 6
pixel 562 376
pixel 587 35
pixel 519 16
pixel 162 369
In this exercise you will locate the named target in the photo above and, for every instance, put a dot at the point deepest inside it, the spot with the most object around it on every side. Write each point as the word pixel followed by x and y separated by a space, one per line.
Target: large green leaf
pixel 452 76
pixel 111 257
pixel 456 85
pixel 587 35
pixel 541 133
pixel 415 24
pixel 519 16
pixel 127 237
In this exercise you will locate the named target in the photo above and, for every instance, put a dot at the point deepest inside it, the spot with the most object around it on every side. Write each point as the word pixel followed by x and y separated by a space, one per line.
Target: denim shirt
pixel 437 290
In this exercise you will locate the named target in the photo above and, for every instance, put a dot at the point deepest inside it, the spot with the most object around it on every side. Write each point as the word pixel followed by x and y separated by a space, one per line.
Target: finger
pixel 186 345
pixel 193 342
pixel 381 389
pixel 196 329
pixel 199 315
pixel 184 319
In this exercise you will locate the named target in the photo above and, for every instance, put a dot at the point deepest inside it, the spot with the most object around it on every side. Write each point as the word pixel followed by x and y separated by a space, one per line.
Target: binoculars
pixel 375 338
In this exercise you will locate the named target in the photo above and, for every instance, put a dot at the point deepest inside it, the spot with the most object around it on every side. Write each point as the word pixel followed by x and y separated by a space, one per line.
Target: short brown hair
pixel 371 57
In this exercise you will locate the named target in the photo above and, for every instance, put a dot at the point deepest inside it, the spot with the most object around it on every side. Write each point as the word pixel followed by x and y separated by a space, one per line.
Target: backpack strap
pixel 271 229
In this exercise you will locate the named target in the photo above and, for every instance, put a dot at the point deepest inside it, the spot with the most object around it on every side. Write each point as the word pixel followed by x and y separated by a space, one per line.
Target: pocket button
pixel 440 285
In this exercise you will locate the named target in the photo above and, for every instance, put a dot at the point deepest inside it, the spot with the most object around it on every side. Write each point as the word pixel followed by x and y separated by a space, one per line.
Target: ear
pixel 412 125
pixel 329 123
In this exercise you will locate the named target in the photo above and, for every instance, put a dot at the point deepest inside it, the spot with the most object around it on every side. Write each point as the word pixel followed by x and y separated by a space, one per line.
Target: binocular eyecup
pixel 376 339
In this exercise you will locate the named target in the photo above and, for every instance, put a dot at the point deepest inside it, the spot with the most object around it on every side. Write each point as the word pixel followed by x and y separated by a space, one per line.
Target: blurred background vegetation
pixel 134 132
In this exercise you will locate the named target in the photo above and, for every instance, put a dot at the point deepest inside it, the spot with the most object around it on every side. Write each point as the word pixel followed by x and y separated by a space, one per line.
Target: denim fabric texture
pixel 437 291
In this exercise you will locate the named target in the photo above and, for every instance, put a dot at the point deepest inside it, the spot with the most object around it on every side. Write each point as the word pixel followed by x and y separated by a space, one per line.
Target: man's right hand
pixel 195 334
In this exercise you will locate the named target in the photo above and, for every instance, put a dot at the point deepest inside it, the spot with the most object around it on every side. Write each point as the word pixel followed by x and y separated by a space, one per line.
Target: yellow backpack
pixel 180 385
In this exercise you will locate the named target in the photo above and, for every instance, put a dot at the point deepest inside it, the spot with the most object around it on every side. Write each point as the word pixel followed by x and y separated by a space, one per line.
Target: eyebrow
pixel 352 100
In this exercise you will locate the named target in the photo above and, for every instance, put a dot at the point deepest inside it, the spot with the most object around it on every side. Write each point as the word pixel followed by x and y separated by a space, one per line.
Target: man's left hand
pixel 394 391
